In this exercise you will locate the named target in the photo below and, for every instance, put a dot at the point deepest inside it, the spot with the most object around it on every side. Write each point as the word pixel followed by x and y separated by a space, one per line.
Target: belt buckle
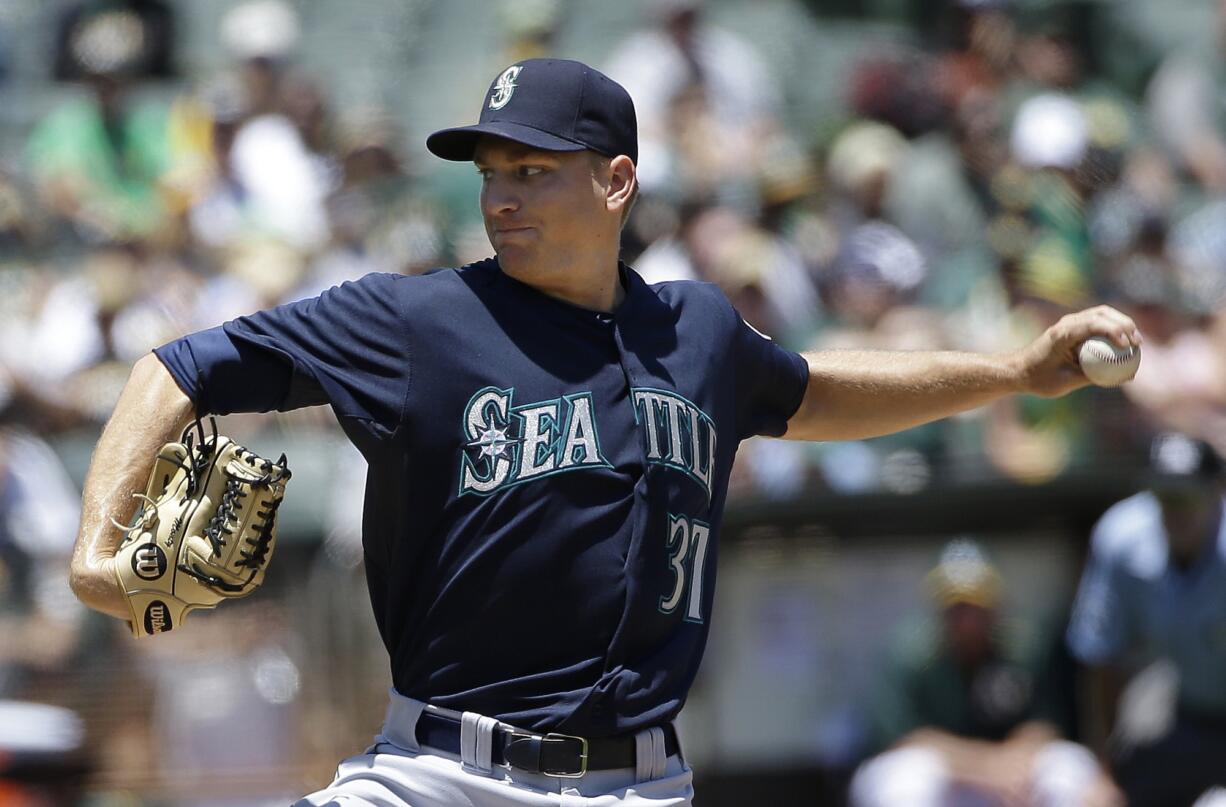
pixel 583 755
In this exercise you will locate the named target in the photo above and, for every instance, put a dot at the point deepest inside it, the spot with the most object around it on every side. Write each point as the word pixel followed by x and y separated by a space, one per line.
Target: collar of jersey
pixel 632 284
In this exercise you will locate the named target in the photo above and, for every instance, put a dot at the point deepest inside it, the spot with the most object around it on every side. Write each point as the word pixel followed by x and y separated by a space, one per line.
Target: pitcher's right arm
pixel 151 411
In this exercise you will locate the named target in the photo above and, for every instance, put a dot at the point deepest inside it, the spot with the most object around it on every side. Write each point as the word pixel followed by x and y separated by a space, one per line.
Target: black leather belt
pixel 551 754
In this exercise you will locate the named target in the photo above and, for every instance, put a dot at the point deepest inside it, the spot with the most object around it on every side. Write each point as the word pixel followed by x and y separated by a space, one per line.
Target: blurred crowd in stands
pixel 968 190
pixel 970 186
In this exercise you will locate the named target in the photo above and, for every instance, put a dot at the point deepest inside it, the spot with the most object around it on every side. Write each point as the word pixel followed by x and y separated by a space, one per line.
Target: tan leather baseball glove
pixel 205 533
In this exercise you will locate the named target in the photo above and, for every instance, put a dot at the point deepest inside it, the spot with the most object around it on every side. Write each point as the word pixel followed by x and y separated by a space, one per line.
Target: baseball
pixel 1107 365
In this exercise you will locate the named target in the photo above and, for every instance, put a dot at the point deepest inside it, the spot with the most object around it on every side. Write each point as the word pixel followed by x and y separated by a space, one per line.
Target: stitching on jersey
pixel 400 429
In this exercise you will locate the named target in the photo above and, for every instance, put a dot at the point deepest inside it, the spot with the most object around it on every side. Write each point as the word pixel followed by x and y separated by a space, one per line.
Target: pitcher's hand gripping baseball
pixel 205 533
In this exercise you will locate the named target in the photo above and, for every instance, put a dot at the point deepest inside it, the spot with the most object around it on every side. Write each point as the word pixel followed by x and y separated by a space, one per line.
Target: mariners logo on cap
pixel 504 87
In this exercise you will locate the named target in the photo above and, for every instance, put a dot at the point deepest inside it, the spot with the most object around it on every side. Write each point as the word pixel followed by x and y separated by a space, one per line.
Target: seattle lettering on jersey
pixel 510 444
pixel 679 434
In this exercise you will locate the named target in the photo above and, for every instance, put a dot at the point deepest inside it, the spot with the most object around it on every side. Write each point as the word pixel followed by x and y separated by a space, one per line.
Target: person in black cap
pixel 549 442
pixel 1153 598
pixel 550 132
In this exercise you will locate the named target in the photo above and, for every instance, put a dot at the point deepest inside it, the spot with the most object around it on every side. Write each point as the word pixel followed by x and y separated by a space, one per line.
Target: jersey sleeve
pixel 346 348
pixel 770 382
pixel 1098 627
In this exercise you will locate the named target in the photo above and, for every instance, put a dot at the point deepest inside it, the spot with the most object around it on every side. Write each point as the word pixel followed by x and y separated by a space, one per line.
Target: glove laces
pixel 220 526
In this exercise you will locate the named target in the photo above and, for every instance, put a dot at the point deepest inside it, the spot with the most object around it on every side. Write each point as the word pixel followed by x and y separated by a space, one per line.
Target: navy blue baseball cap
pixel 553 105
pixel 1179 461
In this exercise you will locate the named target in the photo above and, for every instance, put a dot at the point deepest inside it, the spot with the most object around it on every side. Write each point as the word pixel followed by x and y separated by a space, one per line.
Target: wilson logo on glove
pixel 149 562
pixel 212 505
pixel 157 620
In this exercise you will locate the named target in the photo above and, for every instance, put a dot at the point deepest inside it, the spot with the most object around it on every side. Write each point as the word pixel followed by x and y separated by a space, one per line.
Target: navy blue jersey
pixel 546 482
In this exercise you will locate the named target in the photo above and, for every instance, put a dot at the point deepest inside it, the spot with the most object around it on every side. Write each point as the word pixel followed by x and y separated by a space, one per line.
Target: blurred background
pixel 903 174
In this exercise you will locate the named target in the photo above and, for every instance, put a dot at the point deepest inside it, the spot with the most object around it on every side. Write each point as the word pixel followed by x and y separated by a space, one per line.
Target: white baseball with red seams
pixel 1107 364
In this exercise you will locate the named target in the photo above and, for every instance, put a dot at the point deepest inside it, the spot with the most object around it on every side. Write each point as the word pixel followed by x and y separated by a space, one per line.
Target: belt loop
pixel 477 742
pixel 650 759
pixel 400 725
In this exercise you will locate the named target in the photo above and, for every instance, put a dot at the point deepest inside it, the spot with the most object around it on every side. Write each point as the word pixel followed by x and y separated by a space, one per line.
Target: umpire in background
pixel 549 442
pixel 1153 596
